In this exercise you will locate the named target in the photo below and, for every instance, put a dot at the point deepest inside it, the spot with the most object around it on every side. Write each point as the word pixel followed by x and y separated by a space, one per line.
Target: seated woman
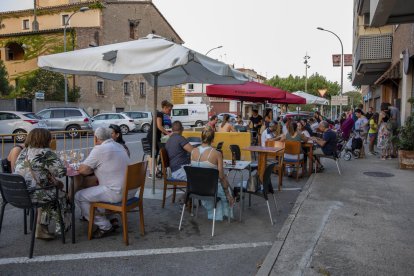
pixel 207 157
pixel 8 164
pixel 117 137
pixel 293 134
pixel 225 125
pixel 40 167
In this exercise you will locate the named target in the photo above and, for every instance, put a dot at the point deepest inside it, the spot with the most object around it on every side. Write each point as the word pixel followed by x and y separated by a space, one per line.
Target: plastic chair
pixel 267 189
pixel 219 147
pixel 334 157
pixel 169 181
pixel 294 148
pixel 202 184
pixel 278 159
pixel 146 147
pixel 135 179
pixel 14 191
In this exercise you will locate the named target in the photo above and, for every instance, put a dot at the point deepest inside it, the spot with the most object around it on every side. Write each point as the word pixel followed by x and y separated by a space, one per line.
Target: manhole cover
pixel 379 174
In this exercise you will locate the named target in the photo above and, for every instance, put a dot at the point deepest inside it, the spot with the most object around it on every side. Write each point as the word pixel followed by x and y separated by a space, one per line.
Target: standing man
pixel 212 123
pixel 161 123
pixel 369 113
pixel 109 161
pixel 178 150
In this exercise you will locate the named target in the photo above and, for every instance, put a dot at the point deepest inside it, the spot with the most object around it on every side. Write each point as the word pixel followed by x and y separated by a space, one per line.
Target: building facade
pixel 105 22
pixel 383 51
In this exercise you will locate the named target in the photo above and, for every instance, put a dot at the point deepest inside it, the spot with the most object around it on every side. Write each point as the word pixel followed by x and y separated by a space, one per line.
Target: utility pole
pixel 35 24
pixel 306 57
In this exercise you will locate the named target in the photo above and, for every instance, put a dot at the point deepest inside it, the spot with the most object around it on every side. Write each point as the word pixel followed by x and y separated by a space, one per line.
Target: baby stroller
pixel 350 147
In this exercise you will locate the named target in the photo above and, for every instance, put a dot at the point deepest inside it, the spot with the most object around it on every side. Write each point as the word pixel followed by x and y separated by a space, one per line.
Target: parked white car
pixel 105 119
pixel 15 122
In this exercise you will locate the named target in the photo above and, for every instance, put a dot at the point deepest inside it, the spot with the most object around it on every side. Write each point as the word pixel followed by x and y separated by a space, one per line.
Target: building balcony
pixel 372 58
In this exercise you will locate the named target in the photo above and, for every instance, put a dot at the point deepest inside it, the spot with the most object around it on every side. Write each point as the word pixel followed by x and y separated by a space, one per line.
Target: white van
pixel 190 114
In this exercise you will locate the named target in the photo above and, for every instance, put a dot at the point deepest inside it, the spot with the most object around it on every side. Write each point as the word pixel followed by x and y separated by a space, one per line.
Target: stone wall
pixel 7 105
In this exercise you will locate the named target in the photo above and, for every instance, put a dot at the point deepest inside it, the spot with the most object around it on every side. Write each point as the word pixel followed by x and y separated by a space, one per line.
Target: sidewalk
pixel 352 224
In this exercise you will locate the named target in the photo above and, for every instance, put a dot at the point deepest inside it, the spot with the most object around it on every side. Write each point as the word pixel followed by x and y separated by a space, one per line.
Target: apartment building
pixel 27 34
pixel 383 52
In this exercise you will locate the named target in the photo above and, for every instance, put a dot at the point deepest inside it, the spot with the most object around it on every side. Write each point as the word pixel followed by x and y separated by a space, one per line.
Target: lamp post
pixel 202 84
pixel 66 23
pixel 342 64
pixel 306 57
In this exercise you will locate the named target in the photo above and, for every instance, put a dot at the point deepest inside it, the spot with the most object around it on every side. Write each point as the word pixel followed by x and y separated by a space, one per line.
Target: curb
pixel 277 246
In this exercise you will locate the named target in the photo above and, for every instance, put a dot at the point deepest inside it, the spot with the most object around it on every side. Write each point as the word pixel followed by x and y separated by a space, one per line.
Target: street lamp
pixel 66 23
pixel 202 84
pixel 218 47
pixel 306 57
pixel 342 64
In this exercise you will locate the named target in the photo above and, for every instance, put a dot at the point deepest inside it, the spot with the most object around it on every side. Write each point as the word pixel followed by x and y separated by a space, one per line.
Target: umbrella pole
pixel 154 132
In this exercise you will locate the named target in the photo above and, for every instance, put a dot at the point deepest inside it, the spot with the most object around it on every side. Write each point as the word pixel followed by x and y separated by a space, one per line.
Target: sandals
pixel 99 233
pixel 320 169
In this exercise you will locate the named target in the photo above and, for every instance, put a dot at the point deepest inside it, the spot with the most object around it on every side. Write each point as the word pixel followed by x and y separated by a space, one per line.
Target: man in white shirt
pixel 268 134
pixel 109 161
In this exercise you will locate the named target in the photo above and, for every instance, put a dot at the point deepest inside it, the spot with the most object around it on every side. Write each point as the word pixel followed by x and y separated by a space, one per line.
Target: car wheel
pixel 347 156
pixel 124 129
pixel 22 137
pixel 145 128
pixel 199 124
pixel 73 131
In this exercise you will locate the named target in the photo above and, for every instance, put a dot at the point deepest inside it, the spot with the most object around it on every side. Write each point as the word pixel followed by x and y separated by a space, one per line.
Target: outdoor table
pixel 195 144
pixel 309 147
pixel 262 151
pixel 72 173
pixel 239 166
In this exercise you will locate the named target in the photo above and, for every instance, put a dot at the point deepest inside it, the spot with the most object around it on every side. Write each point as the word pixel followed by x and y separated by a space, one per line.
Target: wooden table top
pixel 263 149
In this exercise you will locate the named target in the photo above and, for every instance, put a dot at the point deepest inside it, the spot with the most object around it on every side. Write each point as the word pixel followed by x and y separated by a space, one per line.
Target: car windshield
pixel 31 116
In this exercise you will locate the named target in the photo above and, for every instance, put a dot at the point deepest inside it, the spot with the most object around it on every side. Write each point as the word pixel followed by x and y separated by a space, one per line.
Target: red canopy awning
pixel 289 99
pixel 250 92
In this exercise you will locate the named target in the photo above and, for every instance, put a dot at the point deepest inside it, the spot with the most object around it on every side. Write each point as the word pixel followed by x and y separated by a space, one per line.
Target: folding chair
pixel 135 179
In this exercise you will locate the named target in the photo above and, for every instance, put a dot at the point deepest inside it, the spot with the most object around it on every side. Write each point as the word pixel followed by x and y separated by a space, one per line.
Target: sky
pixel 270 36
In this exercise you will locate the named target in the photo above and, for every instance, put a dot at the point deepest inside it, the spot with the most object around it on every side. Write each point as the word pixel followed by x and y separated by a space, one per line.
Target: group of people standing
pixel 378 128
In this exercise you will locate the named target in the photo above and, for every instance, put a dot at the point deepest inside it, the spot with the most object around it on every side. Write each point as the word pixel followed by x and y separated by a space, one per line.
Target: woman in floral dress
pixel 384 137
pixel 40 167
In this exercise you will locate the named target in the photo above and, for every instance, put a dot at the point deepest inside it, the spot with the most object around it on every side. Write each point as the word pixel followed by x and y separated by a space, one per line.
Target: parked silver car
pixel 17 123
pixel 106 119
pixel 142 119
pixel 65 118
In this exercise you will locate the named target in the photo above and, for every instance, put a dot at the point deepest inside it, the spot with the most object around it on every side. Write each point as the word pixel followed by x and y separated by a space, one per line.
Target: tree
pixel 51 83
pixel 5 87
pixel 355 98
pixel 349 77
pixel 315 82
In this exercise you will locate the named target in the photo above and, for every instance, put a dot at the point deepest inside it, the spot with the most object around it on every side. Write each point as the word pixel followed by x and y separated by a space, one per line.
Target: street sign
pixel 336 60
pixel 40 95
pixel 178 95
pixel 338 100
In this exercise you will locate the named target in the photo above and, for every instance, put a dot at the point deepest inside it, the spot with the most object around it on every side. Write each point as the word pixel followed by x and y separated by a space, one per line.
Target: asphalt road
pixel 237 248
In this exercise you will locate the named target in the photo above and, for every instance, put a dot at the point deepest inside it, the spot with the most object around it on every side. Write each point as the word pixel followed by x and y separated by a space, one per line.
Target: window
pixel 73 113
pixel 100 87
pixel 180 112
pixel 142 92
pixel 113 117
pixel 26 24
pixel 144 115
pixel 119 110
pixel 99 117
pixel 45 114
pixel 133 28
pixel 59 113
pixel 126 89
pixel 65 19
pixel 191 86
pixel 8 116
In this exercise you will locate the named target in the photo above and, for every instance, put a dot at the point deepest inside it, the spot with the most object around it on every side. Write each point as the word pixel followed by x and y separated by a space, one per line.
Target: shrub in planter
pixel 406 144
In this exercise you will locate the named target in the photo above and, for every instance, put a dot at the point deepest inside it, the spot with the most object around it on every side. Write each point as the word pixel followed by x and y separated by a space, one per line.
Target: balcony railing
pixel 372 58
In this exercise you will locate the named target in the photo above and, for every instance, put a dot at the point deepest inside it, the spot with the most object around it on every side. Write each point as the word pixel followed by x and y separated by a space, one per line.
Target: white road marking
pixel 130 253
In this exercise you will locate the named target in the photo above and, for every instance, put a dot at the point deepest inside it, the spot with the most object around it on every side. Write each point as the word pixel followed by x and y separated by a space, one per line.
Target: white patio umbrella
pixel 161 62
pixel 311 99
